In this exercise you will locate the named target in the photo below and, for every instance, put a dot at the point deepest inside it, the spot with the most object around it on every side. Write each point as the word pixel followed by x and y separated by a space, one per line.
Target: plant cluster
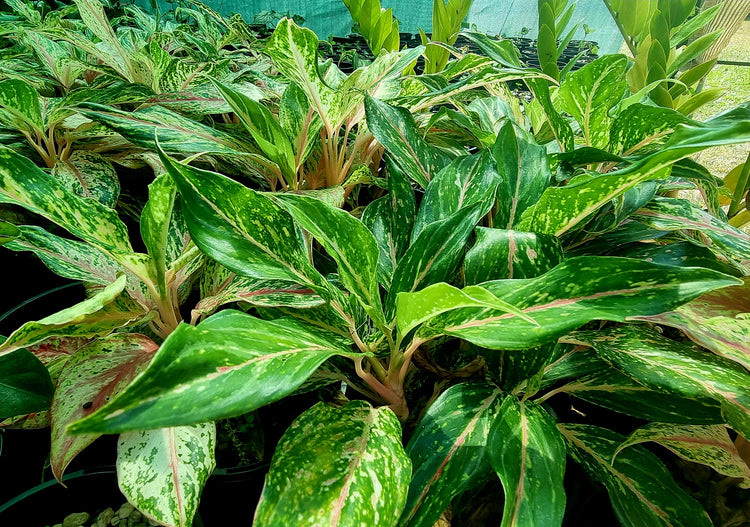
pixel 457 263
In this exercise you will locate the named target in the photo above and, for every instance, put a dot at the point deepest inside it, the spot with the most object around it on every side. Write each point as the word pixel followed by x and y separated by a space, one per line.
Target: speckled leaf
pixel 671 214
pixel 395 129
pixel 705 444
pixel 559 125
pixel 390 219
pixel 23 183
pixel 89 175
pixel 449 450
pixel 609 388
pixel 176 133
pixel 560 209
pixel 436 254
pixel 672 367
pixel 559 301
pixel 91 377
pixel 589 94
pixel 641 489
pixel 498 254
pixel 20 106
pixel 264 128
pixel 337 466
pixel 294 53
pixel 463 182
pixel 155 223
pixel 25 384
pixel 718 320
pixel 101 314
pixel 528 453
pixel 524 169
pixel 162 472
pixel 242 361
pixel 346 240
pixel 243 229
pixel 640 125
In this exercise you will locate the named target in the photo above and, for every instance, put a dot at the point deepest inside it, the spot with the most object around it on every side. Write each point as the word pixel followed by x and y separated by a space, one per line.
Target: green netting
pixel 512 18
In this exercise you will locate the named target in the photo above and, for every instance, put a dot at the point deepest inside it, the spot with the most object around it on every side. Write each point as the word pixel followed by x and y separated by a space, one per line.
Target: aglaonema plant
pixel 404 295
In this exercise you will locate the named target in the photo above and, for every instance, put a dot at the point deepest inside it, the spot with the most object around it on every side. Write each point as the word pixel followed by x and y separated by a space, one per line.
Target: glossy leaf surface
pixel 25 384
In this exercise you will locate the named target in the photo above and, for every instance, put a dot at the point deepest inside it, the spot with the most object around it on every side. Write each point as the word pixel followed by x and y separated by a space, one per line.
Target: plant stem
pixel 740 188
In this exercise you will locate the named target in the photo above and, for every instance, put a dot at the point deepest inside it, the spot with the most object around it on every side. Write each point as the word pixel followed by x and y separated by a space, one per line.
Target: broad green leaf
pixel 264 128
pixel 93 375
pixel 155 223
pixel 465 181
pixel 242 361
pixel 672 367
pixel 672 214
pixel 561 208
pixel 89 175
pixel 527 452
pixel 705 444
pixel 162 472
pixel 608 388
pixel 560 127
pixel 683 254
pixel 21 106
pixel 641 489
pixel 449 450
pixel 347 241
pixel 395 129
pixel 718 320
pixel 390 219
pixel 524 169
pixel 559 301
pixel 590 93
pixel 101 314
pixel 25 384
pixel 243 229
pixel 301 125
pixel 337 466
pixel 501 51
pixel 498 254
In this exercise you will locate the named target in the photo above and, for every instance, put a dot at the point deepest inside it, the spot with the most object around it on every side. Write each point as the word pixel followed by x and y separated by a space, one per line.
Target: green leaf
pixel 590 93
pixel 559 301
pixel 449 450
pixel 337 466
pixel 155 223
pixel 561 208
pixel 242 361
pixel 162 472
pixel 717 320
pixel 465 181
pixel 498 254
pixel 672 367
pixel 524 169
pixel 708 445
pixel 91 377
pixel 395 129
pixel 25 384
pixel 21 106
pixel 560 127
pixel 391 219
pixel 264 128
pixel 101 314
pixel 300 124
pixel 89 175
pixel 641 489
pixel 347 241
pixel 243 229
pixel 528 453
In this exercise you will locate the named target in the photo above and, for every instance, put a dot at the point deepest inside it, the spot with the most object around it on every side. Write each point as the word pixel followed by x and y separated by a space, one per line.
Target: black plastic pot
pixel 231 494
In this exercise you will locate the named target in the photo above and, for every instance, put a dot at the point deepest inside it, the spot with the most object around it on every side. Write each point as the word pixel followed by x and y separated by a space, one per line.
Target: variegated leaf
pixel 21 106
pixel 559 301
pixel 589 94
pixel 337 466
pixel 155 223
pixel 300 123
pixel 499 254
pixel 559 125
pixel 449 450
pixel 705 444
pixel 89 175
pixel 463 182
pixel 719 321
pixel 242 361
pixel 25 384
pixel 162 472
pixel 674 368
pixel 640 487
pixel 524 169
pixel 528 453
pixel 639 126
pixel 395 129
pixel 94 375
pixel 99 315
